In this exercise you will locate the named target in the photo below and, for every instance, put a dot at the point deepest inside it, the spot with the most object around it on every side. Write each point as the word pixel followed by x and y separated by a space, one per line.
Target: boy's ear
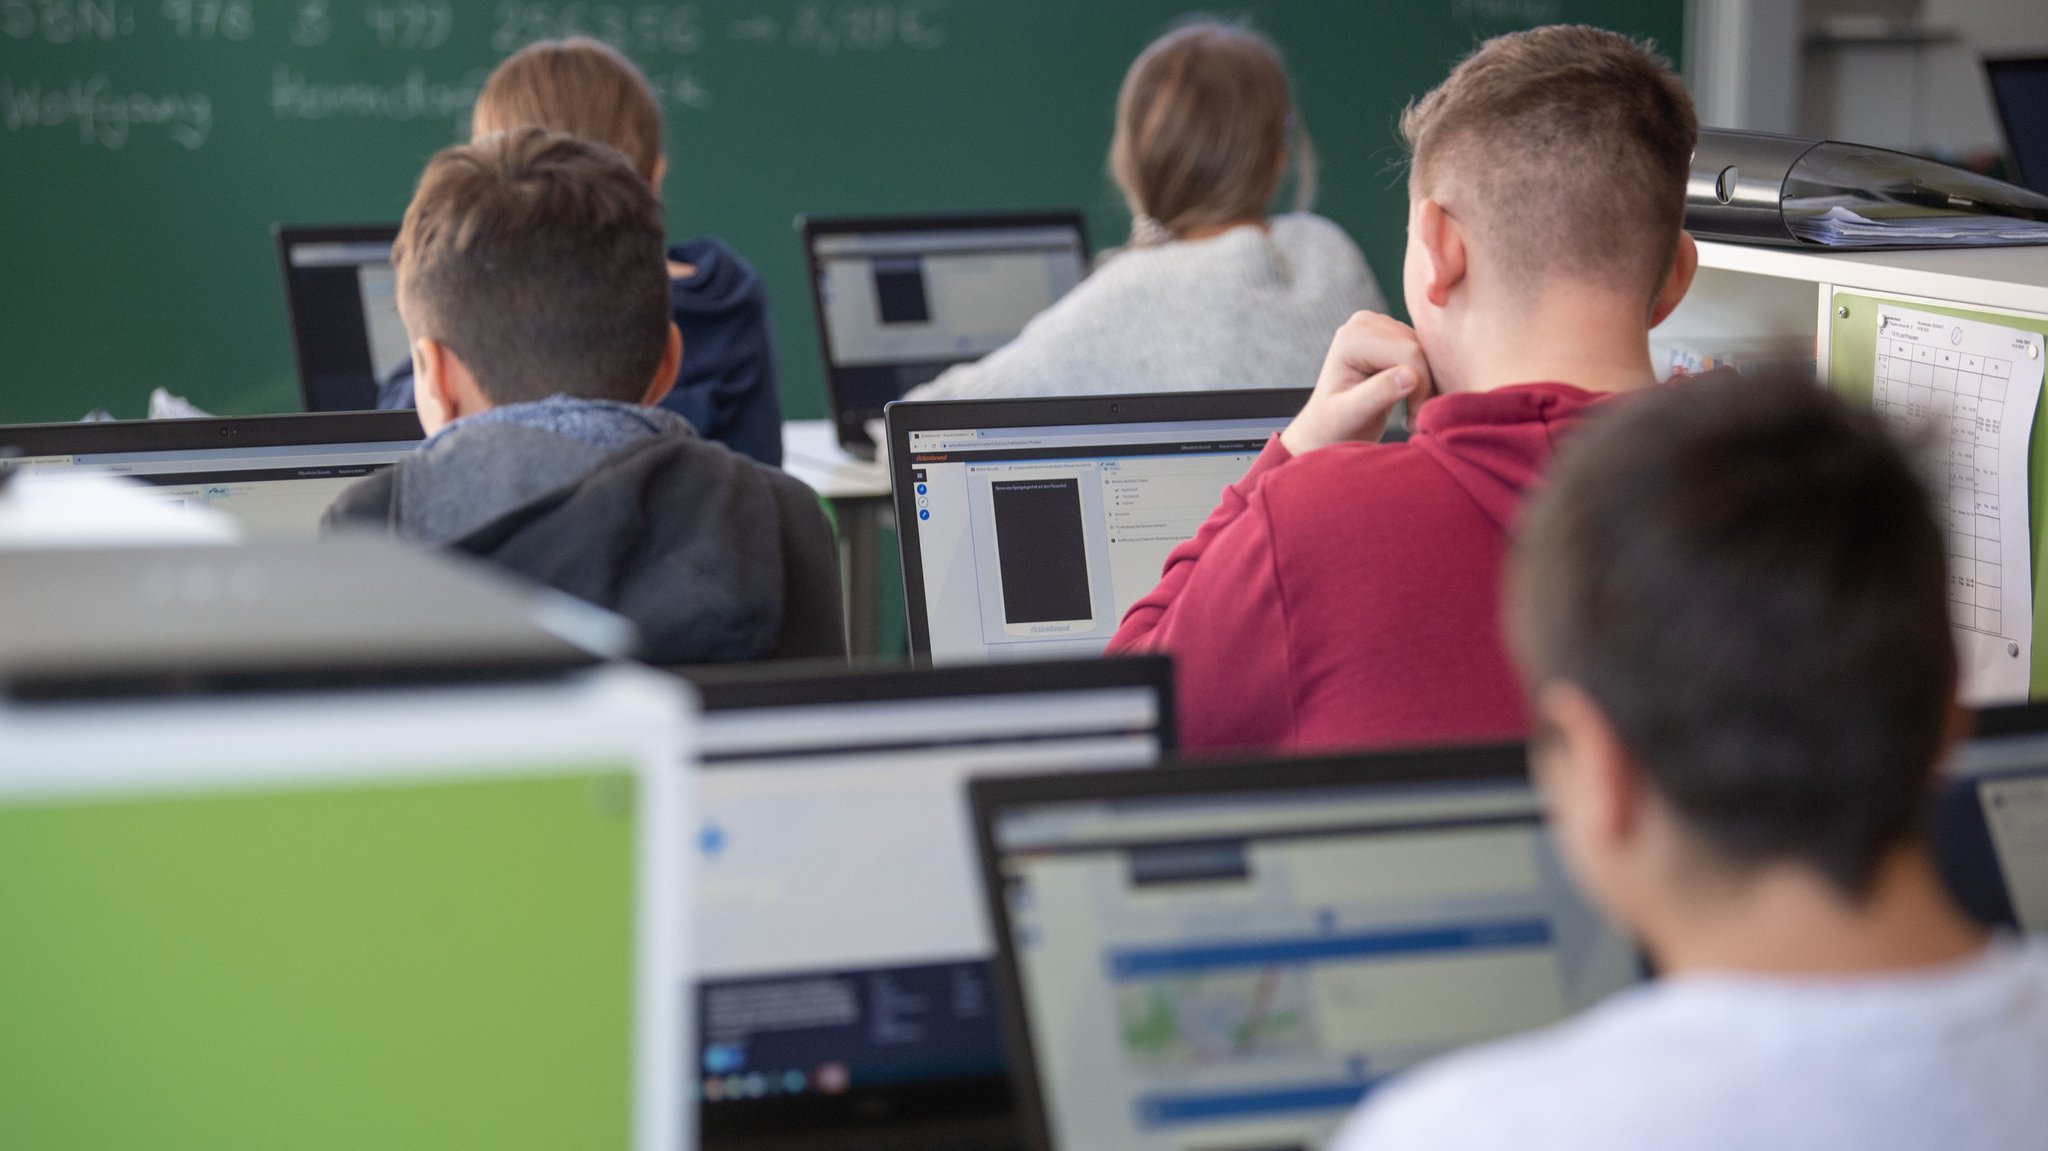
pixel 660 173
pixel 432 384
pixel 1442 239
pixel 1591 780
pixel 665 376
pixel 1685 263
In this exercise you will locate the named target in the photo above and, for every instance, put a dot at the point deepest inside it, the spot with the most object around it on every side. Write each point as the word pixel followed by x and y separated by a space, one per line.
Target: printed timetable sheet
pixel 1973 388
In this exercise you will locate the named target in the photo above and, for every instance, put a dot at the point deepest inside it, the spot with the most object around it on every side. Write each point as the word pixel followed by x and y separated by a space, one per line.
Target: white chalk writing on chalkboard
pixel 88 21
pixel 233 20
pixel 411 26
pixel 867 27
pixel 679 86
pixel 857 26
pixel 103 115
pixel 633 28
pixel 294 97
pixel 65 22
pixel 1522 12
pixel 312 25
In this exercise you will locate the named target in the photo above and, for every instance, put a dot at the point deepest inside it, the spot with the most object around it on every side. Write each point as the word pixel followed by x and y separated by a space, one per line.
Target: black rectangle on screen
pixel 1039 545
pixel 899 292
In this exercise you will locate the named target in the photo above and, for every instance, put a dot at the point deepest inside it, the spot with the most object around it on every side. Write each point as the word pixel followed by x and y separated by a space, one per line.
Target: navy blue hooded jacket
pixel 727 386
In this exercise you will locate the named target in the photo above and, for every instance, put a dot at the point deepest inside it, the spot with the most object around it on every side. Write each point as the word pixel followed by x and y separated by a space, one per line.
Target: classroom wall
pixel 147 146
pixel 1922 89
pixel 1743 63
pixel 1960 110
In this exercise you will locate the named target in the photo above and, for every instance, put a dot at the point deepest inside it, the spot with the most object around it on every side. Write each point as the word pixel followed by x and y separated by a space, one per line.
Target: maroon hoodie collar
pixel 1496 444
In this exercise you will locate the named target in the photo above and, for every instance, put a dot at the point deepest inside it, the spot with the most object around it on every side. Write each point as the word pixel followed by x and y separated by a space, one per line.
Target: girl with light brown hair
pixel 1212 292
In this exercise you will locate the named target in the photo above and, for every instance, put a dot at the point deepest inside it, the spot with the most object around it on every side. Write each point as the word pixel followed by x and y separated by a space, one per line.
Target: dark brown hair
pixel 537 257
pixel 1202 127
pixel 580 86
pixel 1566 148
pixel 1746 576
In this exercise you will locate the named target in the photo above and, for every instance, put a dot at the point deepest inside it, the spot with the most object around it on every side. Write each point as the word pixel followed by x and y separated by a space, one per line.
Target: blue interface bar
pixel 1169 1110
pixel 1141 964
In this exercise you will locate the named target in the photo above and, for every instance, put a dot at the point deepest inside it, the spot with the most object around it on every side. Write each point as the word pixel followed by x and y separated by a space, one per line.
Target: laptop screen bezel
pixel 972 1112
pixel 108 437
pixel 850 424
pixel 904 417
pixel 290 236
pixel 990 799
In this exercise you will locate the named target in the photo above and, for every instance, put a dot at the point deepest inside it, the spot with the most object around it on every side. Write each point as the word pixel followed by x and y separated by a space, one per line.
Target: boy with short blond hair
pixel 531 280
pixel 1345 592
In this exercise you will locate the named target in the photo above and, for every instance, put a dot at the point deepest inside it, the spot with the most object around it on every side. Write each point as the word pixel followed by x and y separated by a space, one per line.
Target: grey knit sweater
pixel 1249 308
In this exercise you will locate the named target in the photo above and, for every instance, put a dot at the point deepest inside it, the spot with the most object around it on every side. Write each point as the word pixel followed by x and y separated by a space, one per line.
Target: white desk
pixel 858 491
pixel 1784 295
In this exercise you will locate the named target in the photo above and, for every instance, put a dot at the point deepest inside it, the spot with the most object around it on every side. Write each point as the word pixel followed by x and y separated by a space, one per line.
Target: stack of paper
pixel 1843 228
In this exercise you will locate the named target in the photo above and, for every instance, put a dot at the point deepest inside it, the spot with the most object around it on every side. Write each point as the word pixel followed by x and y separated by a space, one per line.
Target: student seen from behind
pixel 532 282
pixel 1731 610
pixel 1345 592
pixel 726 386
pixel 1213 292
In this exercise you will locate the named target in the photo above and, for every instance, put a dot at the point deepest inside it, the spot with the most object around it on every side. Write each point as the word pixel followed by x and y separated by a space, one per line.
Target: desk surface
pixel 811 453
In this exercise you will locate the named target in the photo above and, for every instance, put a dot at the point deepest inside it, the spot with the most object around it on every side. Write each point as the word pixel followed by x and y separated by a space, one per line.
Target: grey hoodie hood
pixel 713 557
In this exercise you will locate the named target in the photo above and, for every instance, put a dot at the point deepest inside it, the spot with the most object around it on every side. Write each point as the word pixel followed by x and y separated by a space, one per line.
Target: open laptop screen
pixel 901 299
pixel 275 475
pixel 2020 90
pixel 342 296
pixel 1029 527
pixel 841 942
pixel 1991 820
pixel 425 917
pixel 1235 956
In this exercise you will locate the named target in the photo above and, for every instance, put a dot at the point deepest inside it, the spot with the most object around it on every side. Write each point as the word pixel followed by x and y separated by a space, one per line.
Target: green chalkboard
pixel 146 146
pixel 1852 357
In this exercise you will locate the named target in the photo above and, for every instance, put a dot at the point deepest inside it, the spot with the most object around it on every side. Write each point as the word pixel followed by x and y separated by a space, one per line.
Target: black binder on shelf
pixel 1760 188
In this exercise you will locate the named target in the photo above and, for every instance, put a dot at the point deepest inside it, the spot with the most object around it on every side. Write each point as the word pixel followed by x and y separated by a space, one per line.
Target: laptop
pixel 1029 527
pixel 845 999
pixel 275 475
pixel 899 299
pixel 1991 820
pixel 342 298
pixel 1234 956
pixel 385 916
pixel 2019 87
pixel 273 613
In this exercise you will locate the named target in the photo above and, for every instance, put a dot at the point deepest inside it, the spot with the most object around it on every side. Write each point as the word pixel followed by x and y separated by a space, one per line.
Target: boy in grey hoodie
pixel 532 279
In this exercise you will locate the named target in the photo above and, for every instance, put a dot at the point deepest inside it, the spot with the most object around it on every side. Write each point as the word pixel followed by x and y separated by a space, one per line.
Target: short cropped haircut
pixel 1204 123
pixel 537 257
pixel 1566 149
pixel 580 86
pixel 1747 578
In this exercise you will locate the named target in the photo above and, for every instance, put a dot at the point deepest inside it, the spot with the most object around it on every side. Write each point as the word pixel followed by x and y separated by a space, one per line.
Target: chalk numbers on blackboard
pixel 211 19
pixel 406 27
pixel 312 28
pixel 645 27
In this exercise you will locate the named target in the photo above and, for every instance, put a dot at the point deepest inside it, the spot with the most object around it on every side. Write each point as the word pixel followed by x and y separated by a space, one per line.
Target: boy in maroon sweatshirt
pixel 1346 592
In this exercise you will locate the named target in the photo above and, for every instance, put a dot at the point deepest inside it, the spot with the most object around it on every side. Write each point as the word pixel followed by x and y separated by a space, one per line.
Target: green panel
pixel 893 636
pixel 441 966
pixel 137 251
pixel 1852 365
